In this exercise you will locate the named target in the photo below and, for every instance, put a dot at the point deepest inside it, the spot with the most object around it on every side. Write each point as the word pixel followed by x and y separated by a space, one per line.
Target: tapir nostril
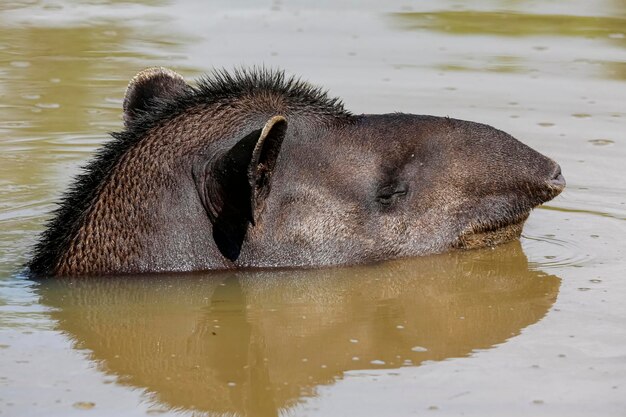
pixel 557 180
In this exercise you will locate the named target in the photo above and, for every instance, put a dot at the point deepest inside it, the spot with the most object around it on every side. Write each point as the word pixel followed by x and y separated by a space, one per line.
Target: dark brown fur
pixel 187 185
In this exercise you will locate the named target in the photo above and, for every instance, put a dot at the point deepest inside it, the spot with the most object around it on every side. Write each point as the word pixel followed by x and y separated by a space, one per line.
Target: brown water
pixel 536 327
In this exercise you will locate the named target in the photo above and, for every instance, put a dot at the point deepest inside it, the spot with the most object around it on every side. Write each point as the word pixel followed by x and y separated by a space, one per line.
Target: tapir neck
pixel 146 216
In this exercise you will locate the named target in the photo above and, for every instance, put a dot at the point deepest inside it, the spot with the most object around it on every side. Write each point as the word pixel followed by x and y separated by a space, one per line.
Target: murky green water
pixel 536 327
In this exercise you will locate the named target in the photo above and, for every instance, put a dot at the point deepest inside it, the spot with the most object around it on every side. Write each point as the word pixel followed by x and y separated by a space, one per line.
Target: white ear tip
pixel 154 71
pixel 270 124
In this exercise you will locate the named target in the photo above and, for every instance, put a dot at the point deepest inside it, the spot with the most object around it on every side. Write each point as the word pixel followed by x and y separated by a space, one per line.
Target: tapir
pixel 255 169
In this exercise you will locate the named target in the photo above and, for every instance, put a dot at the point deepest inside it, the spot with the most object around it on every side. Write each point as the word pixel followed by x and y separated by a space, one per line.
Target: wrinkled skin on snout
pixel 398 185
pixel 254 170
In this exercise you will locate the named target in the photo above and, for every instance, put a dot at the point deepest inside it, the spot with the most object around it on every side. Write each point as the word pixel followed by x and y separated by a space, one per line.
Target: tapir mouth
pixel 488 233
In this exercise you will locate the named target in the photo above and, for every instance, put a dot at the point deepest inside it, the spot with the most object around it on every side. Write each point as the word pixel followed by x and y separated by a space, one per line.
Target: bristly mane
pixel 222 85
pixel 217 86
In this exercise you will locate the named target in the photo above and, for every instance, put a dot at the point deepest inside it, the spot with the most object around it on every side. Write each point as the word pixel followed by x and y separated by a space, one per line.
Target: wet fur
pixel 219 86
pixel 182 189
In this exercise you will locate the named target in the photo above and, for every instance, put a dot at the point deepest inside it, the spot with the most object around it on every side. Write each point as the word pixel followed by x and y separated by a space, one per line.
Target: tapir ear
pixel 263 161
pixel 244 172
pixel 238 183
pixel 147 87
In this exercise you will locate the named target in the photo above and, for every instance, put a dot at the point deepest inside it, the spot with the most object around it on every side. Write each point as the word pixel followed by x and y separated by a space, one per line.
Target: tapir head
pixel 399 185
pixel 255 170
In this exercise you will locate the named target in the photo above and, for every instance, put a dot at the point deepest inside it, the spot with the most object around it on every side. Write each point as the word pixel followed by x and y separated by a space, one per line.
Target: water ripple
pixel 556 252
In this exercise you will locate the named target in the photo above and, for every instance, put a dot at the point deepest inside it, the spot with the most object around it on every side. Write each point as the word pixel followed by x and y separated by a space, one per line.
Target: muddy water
pixel 536 327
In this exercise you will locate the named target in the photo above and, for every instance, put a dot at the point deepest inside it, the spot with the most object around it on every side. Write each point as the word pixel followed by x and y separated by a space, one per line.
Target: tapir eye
pixel 388 194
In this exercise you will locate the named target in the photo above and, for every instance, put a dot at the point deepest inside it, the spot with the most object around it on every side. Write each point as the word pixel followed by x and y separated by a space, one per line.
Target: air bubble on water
pixel 48 105
pixel 84 405
pixel 601 142
pixel 419 349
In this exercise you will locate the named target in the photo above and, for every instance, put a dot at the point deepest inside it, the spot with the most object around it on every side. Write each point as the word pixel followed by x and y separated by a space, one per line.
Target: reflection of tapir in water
pixel 256 170
pixel 255 343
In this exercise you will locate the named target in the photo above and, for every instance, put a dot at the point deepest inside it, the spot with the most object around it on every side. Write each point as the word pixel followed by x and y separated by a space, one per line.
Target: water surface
pixel 536 327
